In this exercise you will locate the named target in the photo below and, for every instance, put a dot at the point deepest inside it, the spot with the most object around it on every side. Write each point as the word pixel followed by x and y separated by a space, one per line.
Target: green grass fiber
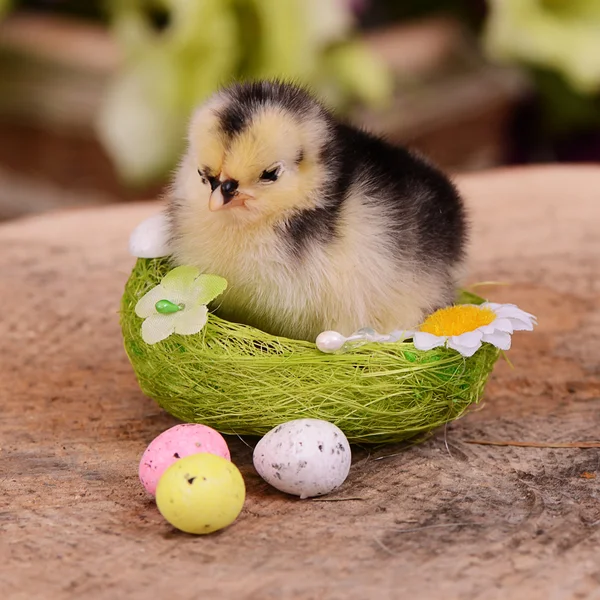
pixel 240 380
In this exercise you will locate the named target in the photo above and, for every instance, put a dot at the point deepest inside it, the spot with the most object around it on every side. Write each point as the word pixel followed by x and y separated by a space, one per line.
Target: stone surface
pixel 443 519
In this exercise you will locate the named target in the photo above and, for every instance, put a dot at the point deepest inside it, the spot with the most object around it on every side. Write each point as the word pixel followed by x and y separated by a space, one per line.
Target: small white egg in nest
pixel 305 457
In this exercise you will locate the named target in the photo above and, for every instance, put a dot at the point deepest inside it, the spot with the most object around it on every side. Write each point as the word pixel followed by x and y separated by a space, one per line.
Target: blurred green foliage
pixel 176 53
pixel 558 42
pixel 5 5
pixel 557 35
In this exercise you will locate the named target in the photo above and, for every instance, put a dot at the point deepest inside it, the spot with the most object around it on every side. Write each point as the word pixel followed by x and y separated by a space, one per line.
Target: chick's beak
pixel 216 201
pixel 226 195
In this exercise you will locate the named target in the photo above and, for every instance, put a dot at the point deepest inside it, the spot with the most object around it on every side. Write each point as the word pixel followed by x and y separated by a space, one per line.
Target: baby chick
pixel 316 225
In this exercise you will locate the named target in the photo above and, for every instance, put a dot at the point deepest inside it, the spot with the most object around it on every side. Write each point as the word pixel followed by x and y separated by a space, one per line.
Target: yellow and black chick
pixel 316 225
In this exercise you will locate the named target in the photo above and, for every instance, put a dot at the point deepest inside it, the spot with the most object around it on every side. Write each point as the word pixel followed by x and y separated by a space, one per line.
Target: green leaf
pixel 466 297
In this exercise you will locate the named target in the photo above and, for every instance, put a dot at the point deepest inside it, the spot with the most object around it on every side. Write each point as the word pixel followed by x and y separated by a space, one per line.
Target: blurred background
pixel 95 95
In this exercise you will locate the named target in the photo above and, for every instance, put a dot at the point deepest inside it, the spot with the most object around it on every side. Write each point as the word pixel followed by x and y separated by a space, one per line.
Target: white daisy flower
pixel 178 304
pixel 465 327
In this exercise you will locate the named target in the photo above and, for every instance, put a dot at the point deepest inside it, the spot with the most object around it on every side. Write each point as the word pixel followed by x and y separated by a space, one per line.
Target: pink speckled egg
pixel 175 443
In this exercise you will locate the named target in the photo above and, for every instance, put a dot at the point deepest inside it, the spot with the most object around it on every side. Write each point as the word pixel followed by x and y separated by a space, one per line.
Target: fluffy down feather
pixel 316 225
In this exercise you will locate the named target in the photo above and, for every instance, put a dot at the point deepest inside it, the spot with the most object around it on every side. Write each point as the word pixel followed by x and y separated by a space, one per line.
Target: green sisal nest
pixel 240 380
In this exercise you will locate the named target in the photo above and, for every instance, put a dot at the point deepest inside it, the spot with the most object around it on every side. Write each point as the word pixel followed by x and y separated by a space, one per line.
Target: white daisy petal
pixel 523 318
pixel 399 335
pixel 519 319
pixel 157 327
pixel 515 309
pixel 497 325
pixel 427 341
pixel 500 339
pixel 487 328
pixel 468 339
pixel 464 350
pixel 492 305
pixel 504 325
pixel 189 322
pixel 146 304
pixel 521 325
pixel 511 311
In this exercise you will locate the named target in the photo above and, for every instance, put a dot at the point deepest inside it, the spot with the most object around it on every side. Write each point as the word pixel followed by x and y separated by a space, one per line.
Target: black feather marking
pixel 321 225
pixel 426 222
pixel 300 157
pixel 245 99
pixel 234 119
pixel 311 226
pixel 426 218
pixel 426 211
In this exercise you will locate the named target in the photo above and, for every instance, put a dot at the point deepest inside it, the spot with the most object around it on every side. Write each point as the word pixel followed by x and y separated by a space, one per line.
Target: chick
pixel 316 225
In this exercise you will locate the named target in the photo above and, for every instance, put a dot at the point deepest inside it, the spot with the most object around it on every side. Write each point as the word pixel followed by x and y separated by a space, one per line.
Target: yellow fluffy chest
pixel 353 281
pixel 266 287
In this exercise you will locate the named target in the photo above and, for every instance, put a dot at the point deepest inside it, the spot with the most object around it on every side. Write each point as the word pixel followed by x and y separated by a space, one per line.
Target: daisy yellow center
pixel 455 320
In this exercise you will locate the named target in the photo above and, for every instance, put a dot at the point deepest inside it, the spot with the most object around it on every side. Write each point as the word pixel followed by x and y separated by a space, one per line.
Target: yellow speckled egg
pixel 201 493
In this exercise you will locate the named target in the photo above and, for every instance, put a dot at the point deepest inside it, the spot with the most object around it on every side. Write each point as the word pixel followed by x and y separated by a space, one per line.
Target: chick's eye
pixel 270 174
pixel 214 182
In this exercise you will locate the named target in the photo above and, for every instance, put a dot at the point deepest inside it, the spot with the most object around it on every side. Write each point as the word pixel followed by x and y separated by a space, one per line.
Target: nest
pixel 240 380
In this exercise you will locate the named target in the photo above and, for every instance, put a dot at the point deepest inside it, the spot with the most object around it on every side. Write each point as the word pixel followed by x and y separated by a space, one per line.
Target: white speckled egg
pixel 305 457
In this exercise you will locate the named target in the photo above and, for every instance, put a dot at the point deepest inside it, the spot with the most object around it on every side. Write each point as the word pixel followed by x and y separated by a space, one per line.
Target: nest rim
pixel 241 380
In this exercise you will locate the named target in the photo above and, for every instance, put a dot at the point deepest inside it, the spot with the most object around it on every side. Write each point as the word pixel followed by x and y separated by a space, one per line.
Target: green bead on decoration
pixel 166 307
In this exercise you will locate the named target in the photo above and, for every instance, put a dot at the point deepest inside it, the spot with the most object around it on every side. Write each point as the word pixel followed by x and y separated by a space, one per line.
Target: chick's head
pixel 255 152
